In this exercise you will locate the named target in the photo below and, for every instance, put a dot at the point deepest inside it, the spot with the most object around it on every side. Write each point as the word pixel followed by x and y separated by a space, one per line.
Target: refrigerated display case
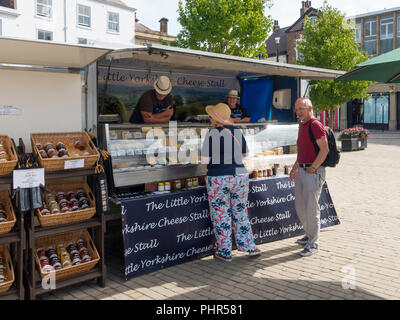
pixel 143 153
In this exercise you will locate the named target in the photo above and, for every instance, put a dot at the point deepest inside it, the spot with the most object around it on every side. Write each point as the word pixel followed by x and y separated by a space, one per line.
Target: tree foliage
pixel 235 27
pixel 331 43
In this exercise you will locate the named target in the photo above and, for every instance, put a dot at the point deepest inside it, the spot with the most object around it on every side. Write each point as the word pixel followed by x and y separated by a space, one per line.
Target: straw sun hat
pixel 220 113
pixel 163 85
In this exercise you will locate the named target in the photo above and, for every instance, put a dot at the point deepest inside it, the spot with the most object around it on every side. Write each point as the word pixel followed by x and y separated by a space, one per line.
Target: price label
pixel 29 178
pixel 74 164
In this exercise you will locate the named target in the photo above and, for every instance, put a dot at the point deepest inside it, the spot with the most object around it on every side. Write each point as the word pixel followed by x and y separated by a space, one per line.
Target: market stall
pixel 156 166
pixel 43 116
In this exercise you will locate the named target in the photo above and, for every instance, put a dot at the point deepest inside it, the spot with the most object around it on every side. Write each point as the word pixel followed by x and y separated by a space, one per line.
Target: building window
pixel 312 19
pixel 84 16
pixel 82 41
pixel 358 32
pixel 398 30
pixel 1 27
pixel 298 54
pixel 376 110
pixel 44 8
pixel 8 4
pixel 45 35
pixel 386 34
pixel 113 22
pixel 370 37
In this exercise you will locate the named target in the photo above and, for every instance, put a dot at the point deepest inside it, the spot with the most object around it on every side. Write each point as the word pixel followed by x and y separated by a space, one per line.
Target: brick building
pixel 145 35
pixel 289 36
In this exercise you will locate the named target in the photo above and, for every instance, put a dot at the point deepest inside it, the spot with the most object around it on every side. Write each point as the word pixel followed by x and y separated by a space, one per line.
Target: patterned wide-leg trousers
pixel 227 196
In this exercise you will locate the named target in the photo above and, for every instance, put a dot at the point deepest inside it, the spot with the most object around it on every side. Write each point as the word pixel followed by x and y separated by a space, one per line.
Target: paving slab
pixel 358 259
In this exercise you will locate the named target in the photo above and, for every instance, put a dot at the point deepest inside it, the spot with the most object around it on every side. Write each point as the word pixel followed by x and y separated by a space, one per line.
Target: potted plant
pixel 353 138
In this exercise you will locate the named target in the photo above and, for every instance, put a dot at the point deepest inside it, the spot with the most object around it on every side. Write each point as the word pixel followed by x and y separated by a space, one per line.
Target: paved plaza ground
pixel 358 259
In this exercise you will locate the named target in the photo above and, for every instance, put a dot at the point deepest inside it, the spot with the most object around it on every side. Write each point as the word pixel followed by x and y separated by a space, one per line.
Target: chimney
pixel 276 25
pixel 136 19
pixel 305 5
pixel 164 25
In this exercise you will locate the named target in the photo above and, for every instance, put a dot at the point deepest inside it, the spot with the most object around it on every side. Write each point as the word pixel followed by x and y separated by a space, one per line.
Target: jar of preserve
pixel 260 173
pixel 269 172
pixel 43 154
pixel 63 153
pixel 274 171
pixel 60 196
pixel 60 146
pixel 254 174
pixel 161 187
pixel 188 183
pixel 51 152
pixel 265 173
pixel 71 195
pixel 79 145
pixel 177 185
pixel 167 186
pixel 286 169
pixel 195 182
pixel 47 146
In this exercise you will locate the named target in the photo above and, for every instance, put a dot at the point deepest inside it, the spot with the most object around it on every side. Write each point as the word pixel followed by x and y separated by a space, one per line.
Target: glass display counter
pixel 143 153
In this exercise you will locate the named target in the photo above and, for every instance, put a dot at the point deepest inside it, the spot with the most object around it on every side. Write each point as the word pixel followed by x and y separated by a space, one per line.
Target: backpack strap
pixel 316 148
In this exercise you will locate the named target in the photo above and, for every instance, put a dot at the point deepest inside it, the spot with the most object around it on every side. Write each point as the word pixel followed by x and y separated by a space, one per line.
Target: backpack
pixel 333 157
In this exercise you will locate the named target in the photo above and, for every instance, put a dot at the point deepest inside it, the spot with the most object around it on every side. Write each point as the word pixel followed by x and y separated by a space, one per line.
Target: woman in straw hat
pixel 227 183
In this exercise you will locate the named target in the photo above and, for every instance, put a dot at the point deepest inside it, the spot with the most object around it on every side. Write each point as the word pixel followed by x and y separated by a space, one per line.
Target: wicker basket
pixel 68 139
pixel 64 238
pixel 6 227
pixel 63 218
pixel 9 270
pixel 8 166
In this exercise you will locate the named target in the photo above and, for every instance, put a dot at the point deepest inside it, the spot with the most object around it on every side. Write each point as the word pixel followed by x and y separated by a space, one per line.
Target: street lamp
pixel 269 3
pixel 277 39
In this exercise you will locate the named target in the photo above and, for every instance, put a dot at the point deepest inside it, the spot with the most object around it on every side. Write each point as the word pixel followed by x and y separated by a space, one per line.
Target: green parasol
pixel 384 68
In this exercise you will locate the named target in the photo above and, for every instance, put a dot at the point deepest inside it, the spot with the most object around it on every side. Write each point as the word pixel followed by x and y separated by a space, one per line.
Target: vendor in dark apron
pixel 238 113
pixel 155 105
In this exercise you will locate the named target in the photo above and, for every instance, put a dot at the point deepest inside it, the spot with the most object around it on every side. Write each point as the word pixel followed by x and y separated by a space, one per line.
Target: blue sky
pixel 149 12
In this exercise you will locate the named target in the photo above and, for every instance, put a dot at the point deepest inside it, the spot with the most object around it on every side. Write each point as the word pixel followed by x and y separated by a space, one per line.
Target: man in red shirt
pixel 309 175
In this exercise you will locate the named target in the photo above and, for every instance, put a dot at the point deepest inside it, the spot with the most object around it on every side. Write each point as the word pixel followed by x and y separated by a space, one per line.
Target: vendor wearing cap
pixel 238 113
pixel 155 105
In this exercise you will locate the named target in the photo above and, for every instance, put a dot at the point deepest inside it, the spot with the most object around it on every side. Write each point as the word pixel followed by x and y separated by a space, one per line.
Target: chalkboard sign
pixel 168 229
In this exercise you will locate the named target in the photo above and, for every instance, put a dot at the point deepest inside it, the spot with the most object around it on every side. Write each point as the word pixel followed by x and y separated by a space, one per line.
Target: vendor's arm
pixel 245 116
pixel 162 117
pixel 321 156
pixel 246 119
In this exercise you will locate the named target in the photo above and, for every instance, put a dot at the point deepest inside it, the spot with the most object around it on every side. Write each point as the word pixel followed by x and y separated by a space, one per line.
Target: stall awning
pixel 171 59
pixel 49 54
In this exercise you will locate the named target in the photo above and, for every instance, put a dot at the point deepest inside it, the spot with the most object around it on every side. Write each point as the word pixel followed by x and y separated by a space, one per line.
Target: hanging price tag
pixel 28 178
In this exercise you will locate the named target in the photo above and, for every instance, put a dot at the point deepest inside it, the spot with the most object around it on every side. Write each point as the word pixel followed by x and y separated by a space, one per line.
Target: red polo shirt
pixel 305 148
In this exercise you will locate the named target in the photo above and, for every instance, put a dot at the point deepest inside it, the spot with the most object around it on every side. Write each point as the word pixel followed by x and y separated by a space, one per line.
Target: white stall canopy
pixel 49 54
pixel 50 100
pixel 171 59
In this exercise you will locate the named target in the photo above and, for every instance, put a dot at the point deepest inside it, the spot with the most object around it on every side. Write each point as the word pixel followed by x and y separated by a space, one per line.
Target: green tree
pixel 331 43
pixel 234 27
